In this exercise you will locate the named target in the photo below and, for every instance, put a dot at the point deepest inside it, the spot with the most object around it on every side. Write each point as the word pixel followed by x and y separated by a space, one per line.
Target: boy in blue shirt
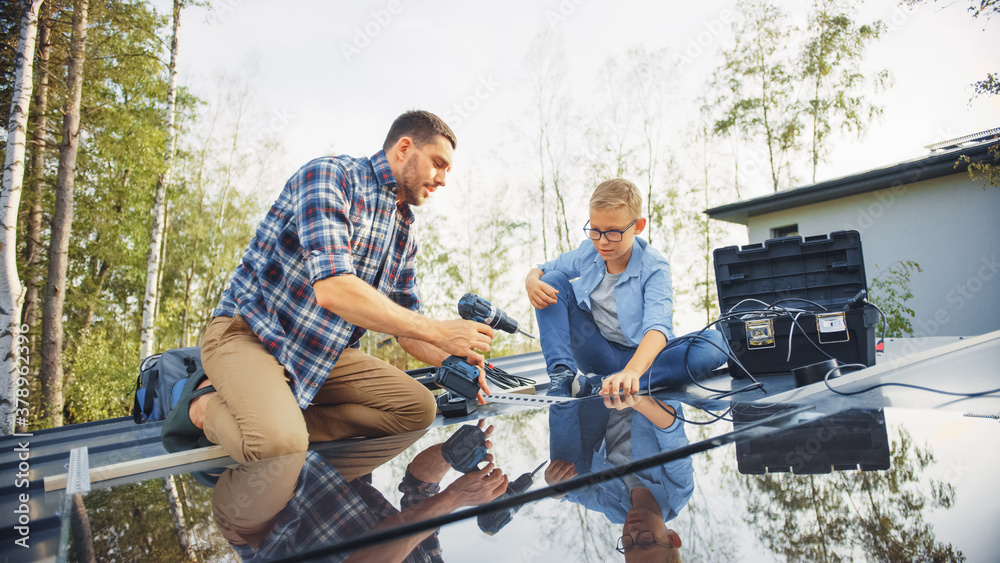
pixel 607 306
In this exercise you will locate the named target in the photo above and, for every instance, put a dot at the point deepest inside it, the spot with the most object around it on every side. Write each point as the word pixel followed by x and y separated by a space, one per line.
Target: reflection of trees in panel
pixel 838 516
pixel 699 523
pixel 134 523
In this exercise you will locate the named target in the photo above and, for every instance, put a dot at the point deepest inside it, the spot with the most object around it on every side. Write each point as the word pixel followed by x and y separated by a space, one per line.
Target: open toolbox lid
pixel 826 269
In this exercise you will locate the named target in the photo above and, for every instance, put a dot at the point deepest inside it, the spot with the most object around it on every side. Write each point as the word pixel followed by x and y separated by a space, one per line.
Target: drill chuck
pixel 474 308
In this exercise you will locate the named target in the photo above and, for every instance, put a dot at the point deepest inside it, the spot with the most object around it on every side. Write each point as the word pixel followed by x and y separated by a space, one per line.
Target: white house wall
pixel 950 226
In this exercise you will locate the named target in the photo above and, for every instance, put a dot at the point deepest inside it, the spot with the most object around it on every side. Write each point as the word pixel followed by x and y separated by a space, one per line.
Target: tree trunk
pixel 150 301
pixel 11 292
pixel 177 510
pixel 82 535
pixel 36 172
pixel 62 224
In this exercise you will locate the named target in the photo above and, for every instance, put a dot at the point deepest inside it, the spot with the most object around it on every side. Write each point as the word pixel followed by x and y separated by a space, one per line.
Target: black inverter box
pixel 793 301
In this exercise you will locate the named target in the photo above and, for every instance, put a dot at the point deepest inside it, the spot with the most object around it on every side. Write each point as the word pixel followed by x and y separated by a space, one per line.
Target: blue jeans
pixel 570 337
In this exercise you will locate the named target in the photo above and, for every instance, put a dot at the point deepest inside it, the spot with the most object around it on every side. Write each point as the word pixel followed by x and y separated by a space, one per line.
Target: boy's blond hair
pixel 618 193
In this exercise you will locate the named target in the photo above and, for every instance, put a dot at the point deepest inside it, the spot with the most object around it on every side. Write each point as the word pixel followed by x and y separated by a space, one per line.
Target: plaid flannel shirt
pixel 335 216
pixel 326 510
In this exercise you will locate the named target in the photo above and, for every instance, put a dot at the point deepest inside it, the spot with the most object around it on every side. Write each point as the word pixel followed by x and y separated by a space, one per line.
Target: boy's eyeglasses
pixel 625 542
pixel 612 236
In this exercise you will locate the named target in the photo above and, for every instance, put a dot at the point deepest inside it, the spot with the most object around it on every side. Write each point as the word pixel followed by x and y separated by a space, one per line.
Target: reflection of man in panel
pixel 281 506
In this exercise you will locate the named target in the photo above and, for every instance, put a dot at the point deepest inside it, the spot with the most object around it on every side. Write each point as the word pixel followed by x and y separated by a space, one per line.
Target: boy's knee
pixel 719 352
pixel 556 279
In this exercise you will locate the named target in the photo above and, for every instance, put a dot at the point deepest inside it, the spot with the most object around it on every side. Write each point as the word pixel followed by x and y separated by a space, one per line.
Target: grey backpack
pixel 161 379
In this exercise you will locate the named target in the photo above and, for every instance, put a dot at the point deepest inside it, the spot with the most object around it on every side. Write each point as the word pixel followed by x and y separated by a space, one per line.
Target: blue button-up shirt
pixel 335 216
pixel 643 296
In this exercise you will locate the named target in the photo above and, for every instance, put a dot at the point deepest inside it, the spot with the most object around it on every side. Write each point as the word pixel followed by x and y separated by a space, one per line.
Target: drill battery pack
pixel 793 301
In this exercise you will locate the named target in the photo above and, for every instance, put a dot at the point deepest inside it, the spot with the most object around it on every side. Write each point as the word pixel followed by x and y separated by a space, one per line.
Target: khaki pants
pixel 255 416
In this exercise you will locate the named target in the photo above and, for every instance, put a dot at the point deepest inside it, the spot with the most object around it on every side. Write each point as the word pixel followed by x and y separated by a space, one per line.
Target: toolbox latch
pixel 832 328
pixel 760 334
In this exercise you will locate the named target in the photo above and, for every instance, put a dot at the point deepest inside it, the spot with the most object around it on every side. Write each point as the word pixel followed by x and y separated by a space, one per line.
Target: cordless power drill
pixel 474 308
pixel 492 522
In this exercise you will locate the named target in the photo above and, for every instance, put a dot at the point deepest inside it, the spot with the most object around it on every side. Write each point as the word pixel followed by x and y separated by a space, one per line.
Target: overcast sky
pixel 335 74
pixel 330 76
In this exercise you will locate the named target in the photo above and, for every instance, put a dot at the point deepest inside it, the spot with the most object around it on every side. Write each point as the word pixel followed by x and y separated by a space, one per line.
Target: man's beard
pixel 410 188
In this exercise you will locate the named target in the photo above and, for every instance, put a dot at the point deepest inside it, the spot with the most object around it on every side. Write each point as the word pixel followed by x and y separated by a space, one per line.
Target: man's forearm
pixel 397 550
pixel 359 304
pixel 423 351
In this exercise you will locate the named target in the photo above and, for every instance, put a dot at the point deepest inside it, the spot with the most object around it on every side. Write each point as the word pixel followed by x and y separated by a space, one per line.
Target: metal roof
pixel 932 166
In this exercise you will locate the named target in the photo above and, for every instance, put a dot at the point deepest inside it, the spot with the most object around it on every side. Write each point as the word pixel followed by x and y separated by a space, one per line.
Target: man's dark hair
pixel 421 126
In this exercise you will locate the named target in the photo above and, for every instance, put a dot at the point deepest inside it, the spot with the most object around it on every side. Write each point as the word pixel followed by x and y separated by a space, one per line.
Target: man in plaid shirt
pixel 333 257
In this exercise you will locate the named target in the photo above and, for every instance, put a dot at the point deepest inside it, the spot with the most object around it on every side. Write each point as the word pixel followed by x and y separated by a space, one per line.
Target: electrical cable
pixel 810 301
pixel 826 380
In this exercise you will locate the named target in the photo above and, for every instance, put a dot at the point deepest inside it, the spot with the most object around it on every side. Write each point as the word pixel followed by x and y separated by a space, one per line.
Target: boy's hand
pixel 622 402
pixel 540 294
pixel 624 381
pixel 559 471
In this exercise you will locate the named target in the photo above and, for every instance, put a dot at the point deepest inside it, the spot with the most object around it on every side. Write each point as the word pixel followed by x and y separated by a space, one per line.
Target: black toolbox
pixel 848 440
pixel 803 295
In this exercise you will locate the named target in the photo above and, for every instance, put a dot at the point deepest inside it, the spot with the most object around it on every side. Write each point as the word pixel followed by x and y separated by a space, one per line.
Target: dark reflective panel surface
pixel 815 480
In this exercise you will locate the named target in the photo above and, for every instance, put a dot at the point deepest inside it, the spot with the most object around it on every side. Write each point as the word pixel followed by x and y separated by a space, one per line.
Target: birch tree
pixel 11 294
pixel 62 223
pixel 831 68
pixel 546 63
pixel 758 78
pixel 33 248
pixel 150 301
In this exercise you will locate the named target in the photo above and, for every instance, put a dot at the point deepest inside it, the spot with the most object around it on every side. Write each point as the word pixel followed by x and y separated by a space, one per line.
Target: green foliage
pixel 106 365
pixel 758 79
pixel 831 65
pixel 778 81
pixel 890 290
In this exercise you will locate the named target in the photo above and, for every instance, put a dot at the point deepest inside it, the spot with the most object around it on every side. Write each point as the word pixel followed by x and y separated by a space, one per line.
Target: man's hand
pixel 480 363
pixel 478 486
pixel 625 381
pixel 559 471
pixel 464 339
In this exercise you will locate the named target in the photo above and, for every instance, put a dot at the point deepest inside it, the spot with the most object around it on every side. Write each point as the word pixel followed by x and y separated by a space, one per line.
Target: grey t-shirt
pixel 618 444
pixel 605 311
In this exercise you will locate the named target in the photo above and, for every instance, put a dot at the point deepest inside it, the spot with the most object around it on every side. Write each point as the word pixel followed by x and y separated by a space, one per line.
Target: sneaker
pixel 178 433
pixel 587 385
pixel 561 383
